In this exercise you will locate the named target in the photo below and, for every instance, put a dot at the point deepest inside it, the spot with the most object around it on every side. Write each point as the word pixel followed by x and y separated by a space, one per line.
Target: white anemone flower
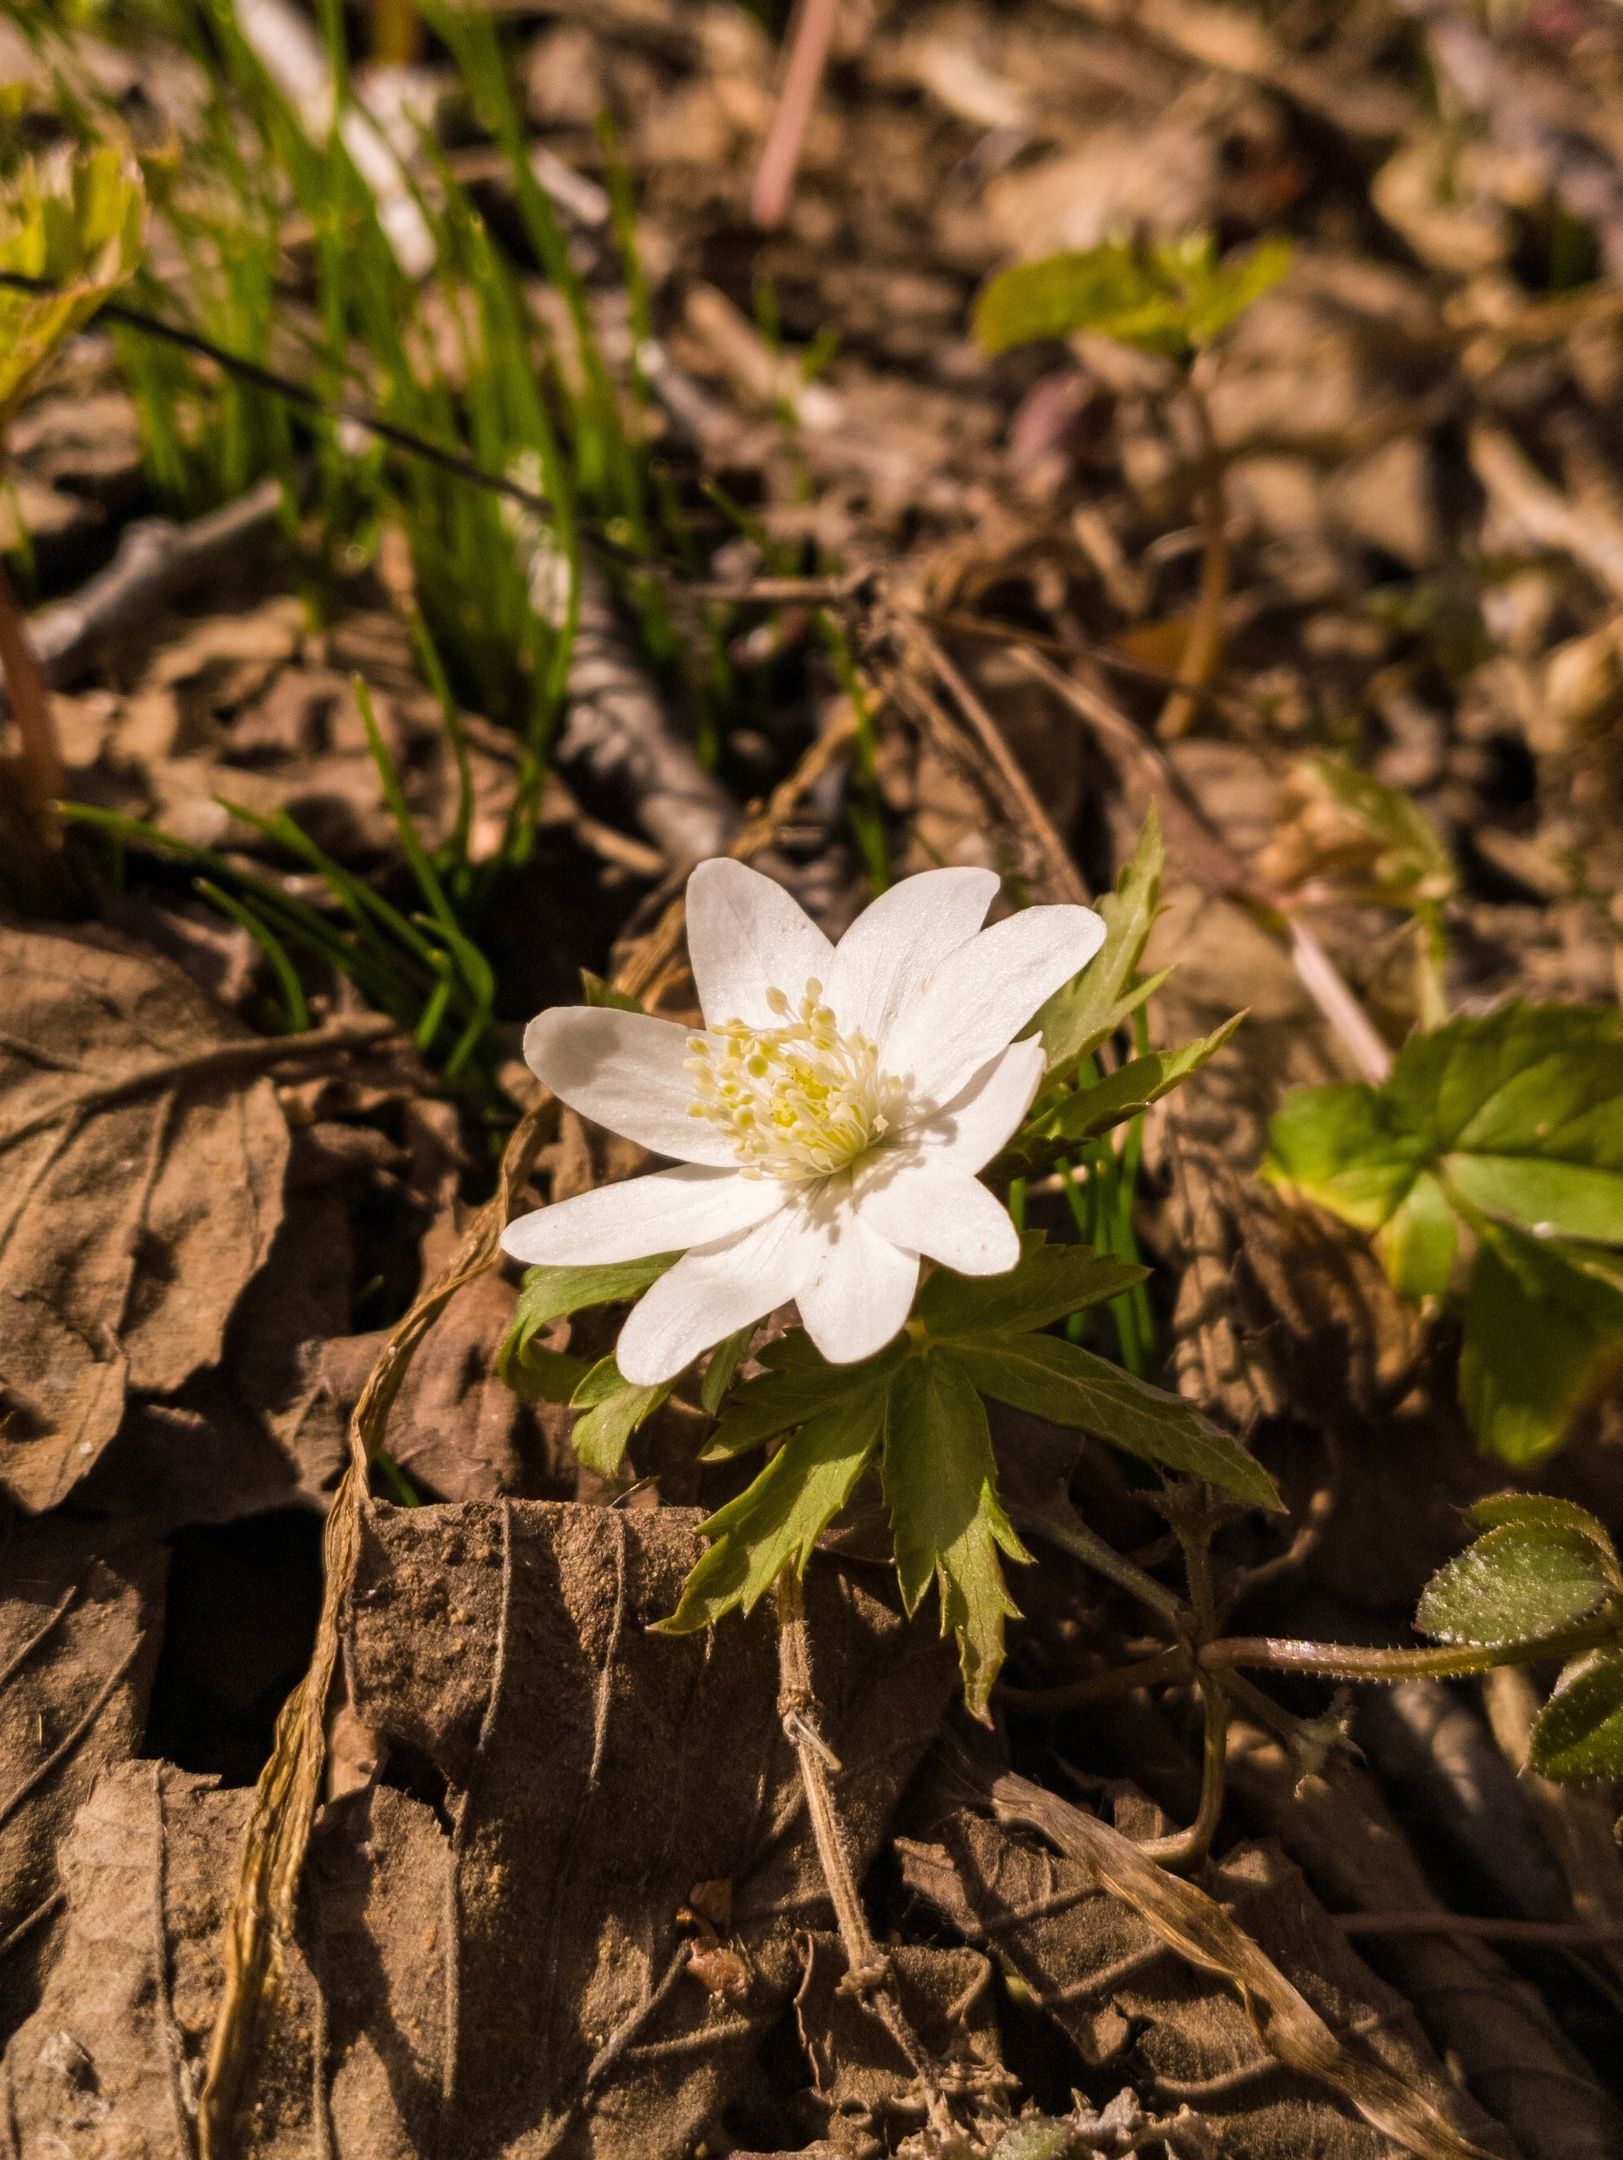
pixel 828 1120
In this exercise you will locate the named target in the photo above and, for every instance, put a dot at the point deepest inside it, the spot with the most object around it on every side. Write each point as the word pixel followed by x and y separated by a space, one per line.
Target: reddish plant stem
pixel 810 33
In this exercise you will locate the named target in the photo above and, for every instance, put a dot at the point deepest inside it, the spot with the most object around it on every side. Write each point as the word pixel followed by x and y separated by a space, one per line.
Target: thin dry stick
pixel 1203 647
pixel 1021 803
pixel 869 1974
pixel 810 34
pixel 1213 863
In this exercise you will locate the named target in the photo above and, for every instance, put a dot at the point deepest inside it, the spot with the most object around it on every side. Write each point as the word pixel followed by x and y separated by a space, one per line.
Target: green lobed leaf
pixel 1543 1338
pixel 1518 1112
pixel 940 1485
pixel 776 1522
pixel 797 1384
pixel 1579 1732
pixel 1420 1240
pixel 614 1409
pixel 1049 1283
pixel 1517 1583
pixel 1345 1148
pixel 1524 1108
pixel 1051 1378
pixel 1086 1012
pixel 539 1374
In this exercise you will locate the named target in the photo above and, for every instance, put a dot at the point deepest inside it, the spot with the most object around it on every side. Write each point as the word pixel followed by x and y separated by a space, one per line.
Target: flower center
pixel 798 1101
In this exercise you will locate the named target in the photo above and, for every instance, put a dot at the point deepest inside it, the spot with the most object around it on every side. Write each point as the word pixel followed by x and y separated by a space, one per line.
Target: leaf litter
pixel 1373 695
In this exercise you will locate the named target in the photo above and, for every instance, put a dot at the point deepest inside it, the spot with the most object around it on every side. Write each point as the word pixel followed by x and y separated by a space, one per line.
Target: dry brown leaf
pixel 1510 2051
pixel 79 1634
pixel 505 1653
pixel 130 1225
pixel 1111 1944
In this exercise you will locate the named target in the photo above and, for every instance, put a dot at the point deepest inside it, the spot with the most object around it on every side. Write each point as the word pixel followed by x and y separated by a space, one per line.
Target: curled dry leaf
pixel 131 1224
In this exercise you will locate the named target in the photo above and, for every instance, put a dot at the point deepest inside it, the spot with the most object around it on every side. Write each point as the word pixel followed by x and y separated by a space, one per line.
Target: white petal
pixel 713 1291
pixel 981 998
pixel 929 1207
pixel 666 1212
pixel 971 1129
pixel 861 1292
pixel 626 1071
pixel 747 936
pixel 893 947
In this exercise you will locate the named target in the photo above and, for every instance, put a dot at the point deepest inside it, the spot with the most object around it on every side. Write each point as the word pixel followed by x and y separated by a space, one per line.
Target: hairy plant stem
pixel 1353 1661
pixel 869 1973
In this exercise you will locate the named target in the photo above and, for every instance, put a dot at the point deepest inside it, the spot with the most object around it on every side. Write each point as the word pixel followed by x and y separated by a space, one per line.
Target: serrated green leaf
pixel 1051 1378
pixel 1543 1511
pixel 1579 1732
pixel 1543 1338
pixel 797 1384
pixel 1050 1283
pixel 546 1294
pixel 614 1409
pixel 1094 1109
pixel 78 228
pixel 1517 1583
pixel 776 1522
pixel 725 1360
pixel 1087 1011
pixel 940 1485
pixel 538 1374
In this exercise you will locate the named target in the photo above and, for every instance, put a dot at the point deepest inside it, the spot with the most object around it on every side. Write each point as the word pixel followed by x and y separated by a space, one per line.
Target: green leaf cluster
pixel 78 228
pixel 1502 1136
pixel 917 1414
pixel 1172 297
pixel 1544 1571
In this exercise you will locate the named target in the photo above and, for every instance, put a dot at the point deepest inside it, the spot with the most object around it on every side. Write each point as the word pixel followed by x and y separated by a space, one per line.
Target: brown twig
pixel 155 559
pixel 869 1974
pixel 811 31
